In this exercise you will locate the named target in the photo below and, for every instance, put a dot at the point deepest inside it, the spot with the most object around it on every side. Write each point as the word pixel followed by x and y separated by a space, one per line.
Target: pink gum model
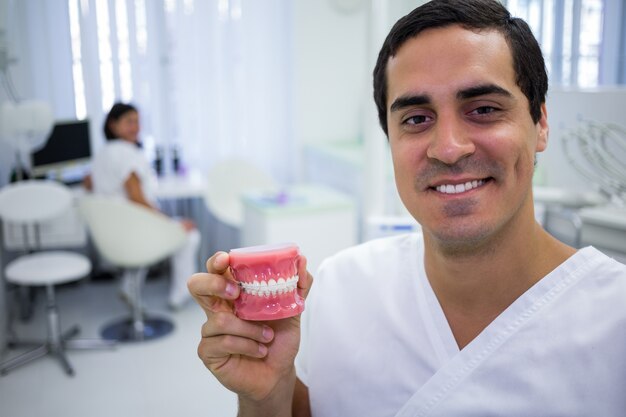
pixel 268 277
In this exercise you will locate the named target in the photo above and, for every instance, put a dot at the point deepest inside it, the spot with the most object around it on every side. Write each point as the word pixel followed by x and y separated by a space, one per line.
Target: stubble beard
pixel 461 238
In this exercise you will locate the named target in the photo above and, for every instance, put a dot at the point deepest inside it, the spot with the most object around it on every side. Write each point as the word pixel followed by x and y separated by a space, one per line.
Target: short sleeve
pixel 113 166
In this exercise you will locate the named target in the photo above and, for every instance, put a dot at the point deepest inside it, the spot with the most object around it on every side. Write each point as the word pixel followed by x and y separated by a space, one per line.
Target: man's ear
pixel 542 130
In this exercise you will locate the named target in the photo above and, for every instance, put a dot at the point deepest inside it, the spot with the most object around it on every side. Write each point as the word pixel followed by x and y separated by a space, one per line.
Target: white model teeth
pixel 270 287
pixel 459 188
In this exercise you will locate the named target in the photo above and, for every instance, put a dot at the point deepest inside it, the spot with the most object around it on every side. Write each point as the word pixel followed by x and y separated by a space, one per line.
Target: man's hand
pixel 253 359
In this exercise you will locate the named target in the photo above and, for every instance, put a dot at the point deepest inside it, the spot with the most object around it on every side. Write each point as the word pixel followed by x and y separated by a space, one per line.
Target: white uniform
pixel 114 164
pixel 376 341
pixel 111 167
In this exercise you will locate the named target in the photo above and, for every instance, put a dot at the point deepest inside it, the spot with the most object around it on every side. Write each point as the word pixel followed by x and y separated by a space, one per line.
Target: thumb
pixel 305 280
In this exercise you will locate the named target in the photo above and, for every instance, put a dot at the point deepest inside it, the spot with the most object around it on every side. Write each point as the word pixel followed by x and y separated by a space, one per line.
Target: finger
pixel 215 349
pixel 221 323
pixel 212 292
pixel 218 263
pixel 224 334
pixel 203 284
pixel 305 280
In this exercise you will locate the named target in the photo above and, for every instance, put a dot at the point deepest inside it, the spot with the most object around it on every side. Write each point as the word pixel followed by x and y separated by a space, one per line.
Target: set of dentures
pixel 270 287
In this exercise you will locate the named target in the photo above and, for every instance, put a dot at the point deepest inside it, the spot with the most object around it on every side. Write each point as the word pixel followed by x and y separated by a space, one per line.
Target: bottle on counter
pixel 158 161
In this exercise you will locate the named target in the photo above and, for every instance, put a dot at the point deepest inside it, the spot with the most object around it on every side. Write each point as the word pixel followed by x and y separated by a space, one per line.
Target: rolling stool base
pixel 125 330
pixel 56 349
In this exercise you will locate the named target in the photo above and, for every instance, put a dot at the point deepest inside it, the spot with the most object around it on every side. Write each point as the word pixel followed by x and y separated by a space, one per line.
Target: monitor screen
pixel 67 147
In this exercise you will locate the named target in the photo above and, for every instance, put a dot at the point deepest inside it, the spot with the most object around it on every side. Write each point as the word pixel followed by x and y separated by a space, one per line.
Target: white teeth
pixel 459 188
pixel 270 287
pixel 263 289
pixel 282 285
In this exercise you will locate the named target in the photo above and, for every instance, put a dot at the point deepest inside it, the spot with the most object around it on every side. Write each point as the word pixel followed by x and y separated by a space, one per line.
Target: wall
pixel 567 108
pixel 333 63
pixel 334 58
pixel 329 71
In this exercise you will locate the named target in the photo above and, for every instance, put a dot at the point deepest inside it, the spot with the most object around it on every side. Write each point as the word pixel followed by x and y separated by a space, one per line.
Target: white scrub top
pixel 113 165
pixel 376 342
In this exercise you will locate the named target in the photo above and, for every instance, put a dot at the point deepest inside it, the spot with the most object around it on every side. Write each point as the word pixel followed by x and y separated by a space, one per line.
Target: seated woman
pixel 120 169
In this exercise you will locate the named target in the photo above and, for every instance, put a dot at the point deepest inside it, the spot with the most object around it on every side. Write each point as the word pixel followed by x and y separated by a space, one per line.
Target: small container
pixel 268 277
pixel 176 167
pixel 158 161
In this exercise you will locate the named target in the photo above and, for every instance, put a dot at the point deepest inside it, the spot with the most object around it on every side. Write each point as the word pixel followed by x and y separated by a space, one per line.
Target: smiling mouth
pixel 460 188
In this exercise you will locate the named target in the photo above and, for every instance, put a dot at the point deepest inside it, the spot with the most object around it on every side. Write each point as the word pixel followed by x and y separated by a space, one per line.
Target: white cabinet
pixel 320 220
pixel 605 228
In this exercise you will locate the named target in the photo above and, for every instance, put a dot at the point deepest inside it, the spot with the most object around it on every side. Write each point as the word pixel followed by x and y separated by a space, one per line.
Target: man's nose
pixel 450 141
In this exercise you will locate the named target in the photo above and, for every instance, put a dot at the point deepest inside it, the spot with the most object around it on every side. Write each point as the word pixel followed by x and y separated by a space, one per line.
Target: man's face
pixel 461 135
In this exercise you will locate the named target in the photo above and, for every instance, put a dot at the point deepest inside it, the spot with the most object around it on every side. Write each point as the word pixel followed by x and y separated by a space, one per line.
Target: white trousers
pixel 184 264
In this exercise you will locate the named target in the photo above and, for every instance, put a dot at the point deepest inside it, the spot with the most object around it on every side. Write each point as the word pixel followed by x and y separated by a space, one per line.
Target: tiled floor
pixel 162 377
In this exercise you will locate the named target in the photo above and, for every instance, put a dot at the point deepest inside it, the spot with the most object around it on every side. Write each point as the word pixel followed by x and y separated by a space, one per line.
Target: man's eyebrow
pixel 482 90
pixel 408 101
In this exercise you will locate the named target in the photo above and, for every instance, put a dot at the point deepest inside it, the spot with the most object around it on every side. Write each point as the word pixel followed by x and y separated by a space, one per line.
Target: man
pixel 485 313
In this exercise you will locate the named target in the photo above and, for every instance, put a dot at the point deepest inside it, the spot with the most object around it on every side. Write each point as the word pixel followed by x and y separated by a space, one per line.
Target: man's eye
pixel 485 110
pixel 416 120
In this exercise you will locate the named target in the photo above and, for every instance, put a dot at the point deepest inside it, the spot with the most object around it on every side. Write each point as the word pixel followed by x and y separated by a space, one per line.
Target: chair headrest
pixel 226 183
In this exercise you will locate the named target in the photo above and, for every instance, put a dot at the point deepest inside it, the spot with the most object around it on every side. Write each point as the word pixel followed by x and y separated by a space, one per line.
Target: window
pixel 577 38
pixel 77 64
pixel 193 68
pixel 123 51
pixel 105 54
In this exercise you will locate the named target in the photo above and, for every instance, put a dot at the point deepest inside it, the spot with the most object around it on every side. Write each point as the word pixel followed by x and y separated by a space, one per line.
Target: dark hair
pixel 528 63
pixel 117 111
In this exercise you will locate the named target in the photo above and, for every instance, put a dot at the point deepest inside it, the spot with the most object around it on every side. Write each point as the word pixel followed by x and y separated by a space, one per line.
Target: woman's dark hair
pixel 117 111
pixel 528 63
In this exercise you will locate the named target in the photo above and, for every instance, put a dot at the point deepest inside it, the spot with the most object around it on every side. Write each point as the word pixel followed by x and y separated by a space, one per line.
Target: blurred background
pixel 235 90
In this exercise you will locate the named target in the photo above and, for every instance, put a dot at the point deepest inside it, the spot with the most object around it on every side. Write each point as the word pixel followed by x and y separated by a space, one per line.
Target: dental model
pixel 268 277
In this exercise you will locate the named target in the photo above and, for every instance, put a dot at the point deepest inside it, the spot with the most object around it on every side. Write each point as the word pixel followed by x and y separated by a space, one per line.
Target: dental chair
pixel 226 182
pixel 132 237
